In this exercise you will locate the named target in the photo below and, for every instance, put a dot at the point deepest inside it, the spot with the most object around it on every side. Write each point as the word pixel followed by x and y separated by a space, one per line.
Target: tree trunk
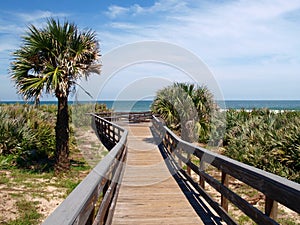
pixel 62 162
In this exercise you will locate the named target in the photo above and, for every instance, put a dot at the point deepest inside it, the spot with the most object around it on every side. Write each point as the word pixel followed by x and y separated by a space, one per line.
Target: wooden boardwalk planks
pixel 149 194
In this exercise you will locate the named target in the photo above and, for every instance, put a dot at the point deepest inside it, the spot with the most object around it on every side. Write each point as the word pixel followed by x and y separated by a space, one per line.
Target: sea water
pixel 258 104
pixel 144 105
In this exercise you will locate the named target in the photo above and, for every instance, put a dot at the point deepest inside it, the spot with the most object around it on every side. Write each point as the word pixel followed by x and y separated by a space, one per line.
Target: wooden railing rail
pixel 94 199
pixel 133 117
pixel 108 132
pixel 275 188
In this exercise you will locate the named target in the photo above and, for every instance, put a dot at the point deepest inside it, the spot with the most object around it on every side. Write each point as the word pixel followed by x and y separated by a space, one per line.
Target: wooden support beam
pixel 188 169
pixel 271 208
pixel 201 179
pixel 224 201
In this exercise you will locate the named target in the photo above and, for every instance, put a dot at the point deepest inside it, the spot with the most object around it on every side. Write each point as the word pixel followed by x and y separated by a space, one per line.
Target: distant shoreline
pixel 144 105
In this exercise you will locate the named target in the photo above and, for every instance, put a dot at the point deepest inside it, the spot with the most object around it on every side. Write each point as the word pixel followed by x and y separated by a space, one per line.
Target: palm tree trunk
pixel 62 162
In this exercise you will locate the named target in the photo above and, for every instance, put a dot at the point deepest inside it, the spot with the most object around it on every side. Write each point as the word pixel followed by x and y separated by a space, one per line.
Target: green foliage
pixel 26 134
pixel 101 107
pixel 3 179
pixel 79 113
pixel 51 59
pixel 187 108
pixel 266 140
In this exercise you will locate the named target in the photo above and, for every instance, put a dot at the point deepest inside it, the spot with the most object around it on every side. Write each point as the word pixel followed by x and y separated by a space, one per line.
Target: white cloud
pixel 230 29
pixel 169 6
pixel 258 38
pixel 13 25
pixel 116 11
pixel 161 6
pixel 123 26
pixel 241 40
pixel 37 15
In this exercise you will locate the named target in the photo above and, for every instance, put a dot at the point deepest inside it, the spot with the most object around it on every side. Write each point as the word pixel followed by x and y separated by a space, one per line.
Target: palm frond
pixel 52 58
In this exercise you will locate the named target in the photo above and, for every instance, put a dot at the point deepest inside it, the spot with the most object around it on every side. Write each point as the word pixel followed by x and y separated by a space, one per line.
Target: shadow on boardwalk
pixel 200 207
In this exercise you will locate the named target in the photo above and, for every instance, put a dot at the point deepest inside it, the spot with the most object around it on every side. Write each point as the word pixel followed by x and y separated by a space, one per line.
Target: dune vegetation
pixel 30 190
pixel 265 139
pixel 261 138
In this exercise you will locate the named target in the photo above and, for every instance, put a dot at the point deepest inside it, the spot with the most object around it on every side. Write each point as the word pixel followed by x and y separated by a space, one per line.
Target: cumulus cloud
pixel 115 11
pixel 240 39
pixel 223 29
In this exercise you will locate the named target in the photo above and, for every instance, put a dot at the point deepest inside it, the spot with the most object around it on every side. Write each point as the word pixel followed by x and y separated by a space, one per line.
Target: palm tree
pixel 51 60
pixel 186 106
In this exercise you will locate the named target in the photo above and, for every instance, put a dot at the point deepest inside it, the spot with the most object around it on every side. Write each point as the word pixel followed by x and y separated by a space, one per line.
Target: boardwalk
pixel 149 194
pixel 155 191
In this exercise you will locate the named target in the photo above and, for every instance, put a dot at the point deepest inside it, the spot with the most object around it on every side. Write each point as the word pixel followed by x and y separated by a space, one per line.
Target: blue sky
pixel 251 47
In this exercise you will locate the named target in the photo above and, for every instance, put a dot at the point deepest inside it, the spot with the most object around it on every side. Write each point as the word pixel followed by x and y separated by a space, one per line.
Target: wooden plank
pixel 149 194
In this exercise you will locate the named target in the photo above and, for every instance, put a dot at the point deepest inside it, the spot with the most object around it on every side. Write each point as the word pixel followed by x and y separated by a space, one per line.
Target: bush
pixel 187 109
pixel 79 113
pixel 266 140
pixel 27 133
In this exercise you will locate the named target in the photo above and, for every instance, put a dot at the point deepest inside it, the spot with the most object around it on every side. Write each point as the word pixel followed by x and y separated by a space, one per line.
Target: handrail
pixel 133 117
pixel 275 188
pixel 103 181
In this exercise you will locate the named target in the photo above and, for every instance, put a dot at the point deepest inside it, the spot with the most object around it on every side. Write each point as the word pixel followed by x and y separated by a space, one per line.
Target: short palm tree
pixel 186 106
pixel 51 60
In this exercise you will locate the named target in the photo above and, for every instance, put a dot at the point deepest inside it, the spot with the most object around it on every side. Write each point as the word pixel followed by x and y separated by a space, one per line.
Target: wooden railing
pixel 108 132
pixel 93 200
pixel 275 188
pixel 132 117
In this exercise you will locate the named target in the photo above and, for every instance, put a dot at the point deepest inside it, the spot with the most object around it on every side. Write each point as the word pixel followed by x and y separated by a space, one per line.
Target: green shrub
pixel 186 108
pixel 266 140
pixel 27 133
pixel 79 113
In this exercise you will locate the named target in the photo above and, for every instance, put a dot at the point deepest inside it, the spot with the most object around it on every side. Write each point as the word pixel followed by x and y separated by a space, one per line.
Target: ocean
pixel 144 105
pixel 259 104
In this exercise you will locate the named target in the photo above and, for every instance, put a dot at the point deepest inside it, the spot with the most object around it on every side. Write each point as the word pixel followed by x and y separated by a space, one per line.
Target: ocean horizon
pixel 144 105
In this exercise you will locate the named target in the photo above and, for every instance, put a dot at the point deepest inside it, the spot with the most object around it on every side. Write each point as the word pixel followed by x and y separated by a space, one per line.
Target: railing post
pixel 119 134
pixel 188 169
pixel 201 179
pixel 168 145
pixel 271 208
pixel 91 217
pixel 225 182
pixel 114 132
pixel 179 160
